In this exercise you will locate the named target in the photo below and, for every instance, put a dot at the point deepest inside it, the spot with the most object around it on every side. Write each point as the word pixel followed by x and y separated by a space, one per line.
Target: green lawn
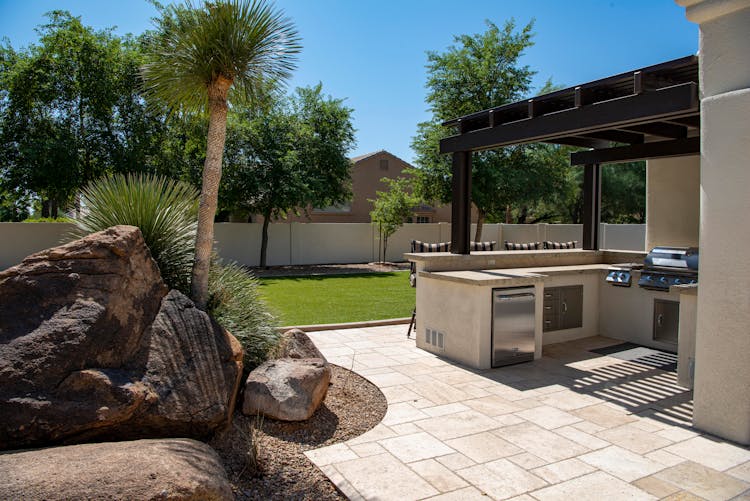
pixel 327 299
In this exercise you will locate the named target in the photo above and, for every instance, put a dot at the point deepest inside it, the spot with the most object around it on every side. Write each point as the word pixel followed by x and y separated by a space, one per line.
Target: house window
pixel 423 219
pixel 384 164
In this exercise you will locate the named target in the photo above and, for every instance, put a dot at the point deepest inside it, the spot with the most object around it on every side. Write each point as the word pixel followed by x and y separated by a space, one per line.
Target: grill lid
pixel 682 258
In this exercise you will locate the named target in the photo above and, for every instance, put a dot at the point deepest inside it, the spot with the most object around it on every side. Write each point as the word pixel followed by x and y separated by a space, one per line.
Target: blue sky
pixel 372 52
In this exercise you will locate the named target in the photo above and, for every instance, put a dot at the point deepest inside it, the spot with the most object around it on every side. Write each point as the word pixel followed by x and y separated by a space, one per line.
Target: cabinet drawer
pixel 550 322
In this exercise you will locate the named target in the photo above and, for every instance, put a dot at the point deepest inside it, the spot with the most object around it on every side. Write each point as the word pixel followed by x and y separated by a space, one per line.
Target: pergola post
pixel 592 205
pixel 461 203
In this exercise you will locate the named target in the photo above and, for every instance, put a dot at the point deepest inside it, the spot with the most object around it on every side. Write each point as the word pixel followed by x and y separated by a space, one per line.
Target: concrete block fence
pixel 326 243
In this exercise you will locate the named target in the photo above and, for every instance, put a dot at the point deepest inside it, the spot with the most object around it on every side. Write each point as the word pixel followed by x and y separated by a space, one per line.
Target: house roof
pixel 359 158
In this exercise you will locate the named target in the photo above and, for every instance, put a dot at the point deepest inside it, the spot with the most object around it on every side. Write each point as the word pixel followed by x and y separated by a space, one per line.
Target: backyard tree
pixel 392 208
pixel 203 57
pixel 70 111
pixel 481 71
pixel 292 156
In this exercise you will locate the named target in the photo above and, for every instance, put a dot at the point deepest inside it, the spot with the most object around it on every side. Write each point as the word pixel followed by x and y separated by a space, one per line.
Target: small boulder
pixel 294 343
pixel 288 389
pixel 143 469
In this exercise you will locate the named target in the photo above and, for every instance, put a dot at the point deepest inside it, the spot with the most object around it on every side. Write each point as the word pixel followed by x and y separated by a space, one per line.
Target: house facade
pixel 367 172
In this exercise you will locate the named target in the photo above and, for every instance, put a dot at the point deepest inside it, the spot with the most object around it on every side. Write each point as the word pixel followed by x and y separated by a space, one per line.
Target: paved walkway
pixel 573 425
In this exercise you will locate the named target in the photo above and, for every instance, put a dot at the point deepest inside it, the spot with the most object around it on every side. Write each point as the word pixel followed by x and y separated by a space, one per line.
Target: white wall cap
pixel 701 11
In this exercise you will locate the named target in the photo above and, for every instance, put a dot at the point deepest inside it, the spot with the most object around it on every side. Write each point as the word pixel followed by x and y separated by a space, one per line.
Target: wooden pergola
pixel 652 112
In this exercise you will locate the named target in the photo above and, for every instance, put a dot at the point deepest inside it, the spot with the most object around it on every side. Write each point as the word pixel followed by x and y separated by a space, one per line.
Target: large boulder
pixel 92 346
pixel 288 389
pixel 143 469
pixel 294 343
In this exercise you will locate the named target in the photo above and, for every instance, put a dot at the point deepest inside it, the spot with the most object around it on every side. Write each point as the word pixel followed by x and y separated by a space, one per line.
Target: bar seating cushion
pixel 483 246
pixel 560 245
pixel 526 246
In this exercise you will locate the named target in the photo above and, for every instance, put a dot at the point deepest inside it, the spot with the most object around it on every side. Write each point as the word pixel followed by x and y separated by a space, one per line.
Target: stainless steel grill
pixel 668 266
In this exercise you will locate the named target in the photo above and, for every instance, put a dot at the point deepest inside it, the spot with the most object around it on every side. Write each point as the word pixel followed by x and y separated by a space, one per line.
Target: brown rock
pixel 289 389
pixel 144 469
pixel 294 343
pixel 92 346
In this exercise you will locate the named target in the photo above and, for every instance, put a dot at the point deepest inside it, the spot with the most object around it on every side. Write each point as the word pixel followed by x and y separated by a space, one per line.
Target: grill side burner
pixel 668 266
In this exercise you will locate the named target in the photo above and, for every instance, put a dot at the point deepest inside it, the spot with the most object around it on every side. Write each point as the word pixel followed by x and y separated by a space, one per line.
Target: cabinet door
pixel 571 307
pixel 666 320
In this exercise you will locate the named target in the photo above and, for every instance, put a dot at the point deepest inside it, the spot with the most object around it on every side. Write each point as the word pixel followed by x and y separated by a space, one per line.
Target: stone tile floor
pixel 572 425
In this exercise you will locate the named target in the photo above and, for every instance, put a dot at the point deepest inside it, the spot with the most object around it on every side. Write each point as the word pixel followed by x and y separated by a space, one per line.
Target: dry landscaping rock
pixel 288 389
pixel 144 469
pixel 296 344
pixel 92 345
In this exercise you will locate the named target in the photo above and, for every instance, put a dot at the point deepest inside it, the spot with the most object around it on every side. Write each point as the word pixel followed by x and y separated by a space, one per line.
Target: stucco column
pixel 722 358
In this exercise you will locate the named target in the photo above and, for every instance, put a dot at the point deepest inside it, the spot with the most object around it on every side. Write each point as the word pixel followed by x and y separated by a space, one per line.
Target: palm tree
pixel 201 57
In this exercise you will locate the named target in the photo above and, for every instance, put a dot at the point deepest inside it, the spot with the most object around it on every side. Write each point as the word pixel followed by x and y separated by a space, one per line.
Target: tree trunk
pixel 45 207
pixel 480 222
pixel 508 215
pixel 264 239
pixel 54 210
pixel 385 247
pixel 204 236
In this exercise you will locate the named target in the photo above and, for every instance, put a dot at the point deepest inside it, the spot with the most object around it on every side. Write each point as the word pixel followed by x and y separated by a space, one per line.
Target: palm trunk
pixel 480 223
pixel 204 236
pixel 264 239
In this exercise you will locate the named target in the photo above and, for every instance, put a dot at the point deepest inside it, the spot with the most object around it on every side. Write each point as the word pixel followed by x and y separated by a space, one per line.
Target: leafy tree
pixel 71 110
pixel 292 156
pixel 482 71
pixel 392 208
pixel 198 55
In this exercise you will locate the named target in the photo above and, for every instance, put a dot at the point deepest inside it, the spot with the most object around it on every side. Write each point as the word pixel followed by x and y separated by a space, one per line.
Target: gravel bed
pixel 328 269
pixel 352 406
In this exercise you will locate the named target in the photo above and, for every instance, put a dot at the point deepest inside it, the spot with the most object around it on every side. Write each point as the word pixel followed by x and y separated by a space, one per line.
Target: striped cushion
pixel 483 246
pixel 560 245
pixel 419 246
pixel 527 246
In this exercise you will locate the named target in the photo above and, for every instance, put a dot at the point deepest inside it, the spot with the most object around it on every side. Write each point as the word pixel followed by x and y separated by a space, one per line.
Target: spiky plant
pixel 235 303
pixel 199 54
pixel 163 209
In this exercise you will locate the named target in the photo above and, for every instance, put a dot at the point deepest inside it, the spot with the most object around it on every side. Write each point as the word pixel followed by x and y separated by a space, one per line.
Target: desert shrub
pixel 235 303
pixel 165 210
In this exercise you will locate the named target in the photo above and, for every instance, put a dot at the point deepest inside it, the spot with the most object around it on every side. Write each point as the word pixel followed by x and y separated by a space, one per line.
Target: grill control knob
pixel 677 281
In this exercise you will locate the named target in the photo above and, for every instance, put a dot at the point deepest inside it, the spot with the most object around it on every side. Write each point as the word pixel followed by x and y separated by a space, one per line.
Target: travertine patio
pixel 573 425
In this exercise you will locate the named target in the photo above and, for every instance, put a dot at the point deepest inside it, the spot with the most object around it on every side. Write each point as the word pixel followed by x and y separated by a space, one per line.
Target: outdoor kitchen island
pixel 455 300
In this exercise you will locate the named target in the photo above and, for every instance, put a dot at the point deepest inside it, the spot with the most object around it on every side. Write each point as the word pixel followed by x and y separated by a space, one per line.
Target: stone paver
pixel 572 425
pixel 416 447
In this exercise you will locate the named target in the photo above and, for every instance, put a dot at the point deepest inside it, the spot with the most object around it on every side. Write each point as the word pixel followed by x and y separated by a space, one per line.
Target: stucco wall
pixel 319 243
pixel 673 201
pixel 722 345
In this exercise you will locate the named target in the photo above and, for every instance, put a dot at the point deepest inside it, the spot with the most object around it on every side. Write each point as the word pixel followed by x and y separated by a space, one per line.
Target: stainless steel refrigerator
pixel 512 325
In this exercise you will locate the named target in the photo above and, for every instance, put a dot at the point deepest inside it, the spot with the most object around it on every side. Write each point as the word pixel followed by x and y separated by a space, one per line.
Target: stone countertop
pixel 509 277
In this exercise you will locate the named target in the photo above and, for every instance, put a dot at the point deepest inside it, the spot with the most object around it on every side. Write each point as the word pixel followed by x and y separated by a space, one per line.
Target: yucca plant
pixel 235 303
pixel 197 55
pixel 165 211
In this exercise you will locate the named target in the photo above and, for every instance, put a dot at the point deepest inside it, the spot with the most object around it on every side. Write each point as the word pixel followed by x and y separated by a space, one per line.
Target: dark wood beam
pixel 583 142
pixel 592 205
pixel 692 121
pixel 659 149
pixel 660 129
pixel 617 136
pixel 461 203
pixel 674 101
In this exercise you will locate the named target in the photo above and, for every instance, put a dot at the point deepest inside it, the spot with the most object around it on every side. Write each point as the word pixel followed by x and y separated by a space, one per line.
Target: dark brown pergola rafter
pixel 647 113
